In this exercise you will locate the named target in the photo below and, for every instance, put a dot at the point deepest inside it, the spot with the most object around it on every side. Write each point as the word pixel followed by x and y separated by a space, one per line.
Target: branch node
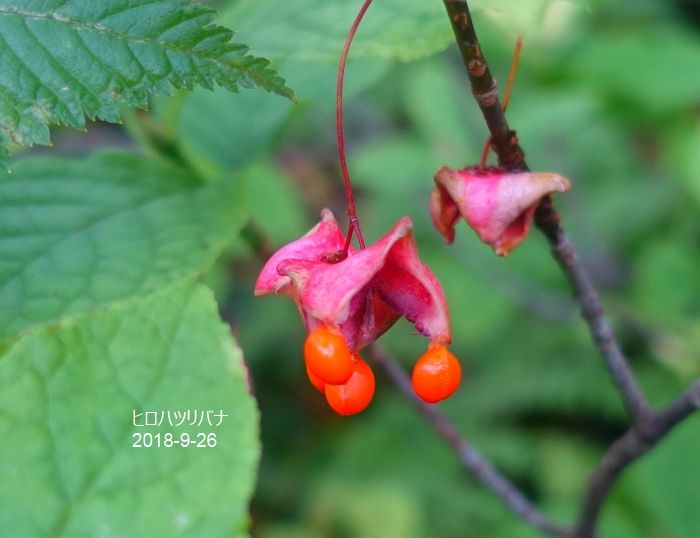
pixel 476 67
pixel 488 97
pixel 461 20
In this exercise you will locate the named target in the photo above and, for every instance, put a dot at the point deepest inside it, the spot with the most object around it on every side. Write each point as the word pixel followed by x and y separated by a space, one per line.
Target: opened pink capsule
pixel 499 205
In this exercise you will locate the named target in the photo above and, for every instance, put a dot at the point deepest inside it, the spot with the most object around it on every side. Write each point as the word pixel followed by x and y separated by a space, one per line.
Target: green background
pixel 608 94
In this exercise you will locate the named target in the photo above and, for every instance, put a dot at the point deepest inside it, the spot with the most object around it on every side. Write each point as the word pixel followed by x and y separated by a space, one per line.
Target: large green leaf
pixel 62 61
pixel 78 234
pixel 314 30
pixel 67 400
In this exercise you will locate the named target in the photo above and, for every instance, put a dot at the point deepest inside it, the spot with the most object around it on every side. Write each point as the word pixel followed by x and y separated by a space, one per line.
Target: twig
pixel 510 155
pixel 564 252
pixel 631 446
pixel 648 427
pixel 484 87
pixel 469 457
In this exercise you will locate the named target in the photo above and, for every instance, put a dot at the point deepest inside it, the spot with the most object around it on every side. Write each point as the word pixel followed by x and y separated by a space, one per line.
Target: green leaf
pixel 668 477
pixel 217 142
pixel 78 234
pixel 314 30
pixel 272 191
pixel 62 61
pixel 610 62
pixel 661 266
pixel 394 166
pixel 67 397
pixel 315 83
pixel 287 531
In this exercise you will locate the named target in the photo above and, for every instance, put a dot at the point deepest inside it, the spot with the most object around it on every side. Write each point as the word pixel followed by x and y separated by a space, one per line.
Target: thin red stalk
pixel 507 94
pixel 354 224
pixel 513 72
pixel 485 153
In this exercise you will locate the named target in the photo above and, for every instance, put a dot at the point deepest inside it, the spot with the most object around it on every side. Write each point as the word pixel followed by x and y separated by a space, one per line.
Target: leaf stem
pixel 354 222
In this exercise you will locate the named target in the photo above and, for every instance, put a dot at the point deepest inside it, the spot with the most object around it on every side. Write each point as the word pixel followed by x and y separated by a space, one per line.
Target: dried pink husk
pixel 499 205
pixel 364 294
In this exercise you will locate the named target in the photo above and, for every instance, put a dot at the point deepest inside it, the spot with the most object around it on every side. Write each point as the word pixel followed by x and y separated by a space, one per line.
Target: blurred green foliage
pixel 608 94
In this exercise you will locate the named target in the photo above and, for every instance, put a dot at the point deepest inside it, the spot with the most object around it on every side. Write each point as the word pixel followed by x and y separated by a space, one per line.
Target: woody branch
pixel 648 427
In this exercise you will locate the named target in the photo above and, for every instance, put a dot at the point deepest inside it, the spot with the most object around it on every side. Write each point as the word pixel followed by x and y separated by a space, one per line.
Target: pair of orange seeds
pixel 348 381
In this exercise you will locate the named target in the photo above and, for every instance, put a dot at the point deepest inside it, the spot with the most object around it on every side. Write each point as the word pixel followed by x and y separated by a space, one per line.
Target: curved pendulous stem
pixel 354 223
pixel 470 458
pixel 511 156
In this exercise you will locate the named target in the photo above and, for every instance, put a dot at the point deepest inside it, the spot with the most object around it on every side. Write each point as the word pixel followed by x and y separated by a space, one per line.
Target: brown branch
pixel 626 450
pixel 484 87
pixel 563 250
pixel 648 427
pixel 511 156
pixel 470 458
